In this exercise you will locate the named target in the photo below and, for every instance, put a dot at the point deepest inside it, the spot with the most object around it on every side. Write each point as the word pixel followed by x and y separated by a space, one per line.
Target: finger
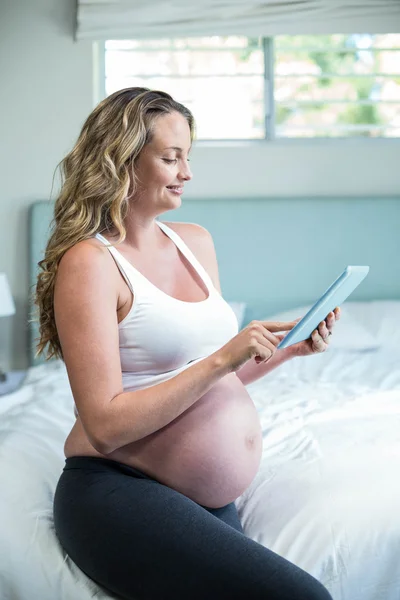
pixel 330 322
pixel 323 330
pixel 268 342
pixel 280 336
pixel 267 339
pixel 332 316
pixel 278 326
pixel 318 343
pixel 270 337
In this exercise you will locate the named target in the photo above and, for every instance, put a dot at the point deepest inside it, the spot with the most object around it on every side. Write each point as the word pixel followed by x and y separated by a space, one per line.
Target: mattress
pixel 325 496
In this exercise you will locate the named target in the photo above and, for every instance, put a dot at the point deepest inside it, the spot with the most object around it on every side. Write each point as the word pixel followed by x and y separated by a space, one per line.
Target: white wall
pixel 297 168
pixel 46 93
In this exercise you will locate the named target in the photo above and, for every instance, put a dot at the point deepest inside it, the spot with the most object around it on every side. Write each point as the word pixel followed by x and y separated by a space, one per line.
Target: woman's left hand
pixel 320 337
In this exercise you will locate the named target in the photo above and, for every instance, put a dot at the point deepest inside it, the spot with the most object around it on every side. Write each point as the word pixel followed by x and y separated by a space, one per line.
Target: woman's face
pixel 162 168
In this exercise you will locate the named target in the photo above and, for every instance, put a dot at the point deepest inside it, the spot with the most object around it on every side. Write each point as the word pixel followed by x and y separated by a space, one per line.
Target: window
pixel 263 88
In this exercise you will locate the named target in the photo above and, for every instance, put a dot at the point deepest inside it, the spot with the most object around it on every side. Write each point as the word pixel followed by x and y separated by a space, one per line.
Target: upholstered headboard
pixel 40 215
pixel 275 254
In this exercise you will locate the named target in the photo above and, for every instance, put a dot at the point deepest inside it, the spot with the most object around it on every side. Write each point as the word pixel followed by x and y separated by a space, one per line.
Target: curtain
pixel 151 19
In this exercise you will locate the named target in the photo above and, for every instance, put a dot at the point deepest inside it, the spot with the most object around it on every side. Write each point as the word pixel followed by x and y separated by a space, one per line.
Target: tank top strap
pixel 123 265
pixel 187 253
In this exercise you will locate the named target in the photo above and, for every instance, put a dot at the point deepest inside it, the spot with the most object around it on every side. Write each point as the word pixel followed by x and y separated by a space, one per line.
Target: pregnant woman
pixel 166 436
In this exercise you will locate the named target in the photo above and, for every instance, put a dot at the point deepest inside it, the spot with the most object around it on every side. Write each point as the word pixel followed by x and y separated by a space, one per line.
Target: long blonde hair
pixel 96 177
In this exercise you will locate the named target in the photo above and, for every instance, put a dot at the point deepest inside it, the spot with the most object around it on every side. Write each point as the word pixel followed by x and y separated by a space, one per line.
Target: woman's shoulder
pixel 190 228
pixel 199 240
pixel 85 249
pixel 190 232
pixel 88 267
pixel 87 255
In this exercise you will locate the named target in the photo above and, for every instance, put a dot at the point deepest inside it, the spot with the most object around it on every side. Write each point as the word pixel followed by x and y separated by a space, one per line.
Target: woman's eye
pixel 170 160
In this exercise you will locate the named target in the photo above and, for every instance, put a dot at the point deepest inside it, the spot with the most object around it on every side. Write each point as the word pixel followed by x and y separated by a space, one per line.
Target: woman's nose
pixel 186 173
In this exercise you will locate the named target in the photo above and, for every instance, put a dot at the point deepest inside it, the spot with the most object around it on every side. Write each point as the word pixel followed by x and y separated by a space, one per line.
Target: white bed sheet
pixel 327 494
pixel 325 497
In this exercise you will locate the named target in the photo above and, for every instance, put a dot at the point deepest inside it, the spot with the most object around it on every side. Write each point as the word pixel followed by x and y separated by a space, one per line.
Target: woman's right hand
pixel 257 341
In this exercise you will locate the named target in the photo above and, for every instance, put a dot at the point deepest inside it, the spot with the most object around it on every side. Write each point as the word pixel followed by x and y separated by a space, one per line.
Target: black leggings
pixel 142 540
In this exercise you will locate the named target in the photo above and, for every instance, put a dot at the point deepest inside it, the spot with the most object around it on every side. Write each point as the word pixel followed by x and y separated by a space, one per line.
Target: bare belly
pixel 210 453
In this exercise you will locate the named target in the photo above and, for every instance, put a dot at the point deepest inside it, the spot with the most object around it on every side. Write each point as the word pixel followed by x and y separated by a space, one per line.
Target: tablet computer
pixel 337 293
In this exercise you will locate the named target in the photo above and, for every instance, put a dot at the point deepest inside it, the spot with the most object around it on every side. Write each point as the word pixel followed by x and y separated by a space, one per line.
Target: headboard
pixel 40 215
pixel 275 254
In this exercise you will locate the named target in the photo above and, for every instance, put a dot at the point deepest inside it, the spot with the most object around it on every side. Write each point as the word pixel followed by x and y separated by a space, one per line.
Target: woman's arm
pixel 85 303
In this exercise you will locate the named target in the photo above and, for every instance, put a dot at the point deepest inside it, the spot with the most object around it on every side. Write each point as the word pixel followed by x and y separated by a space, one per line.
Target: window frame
pixel 267 44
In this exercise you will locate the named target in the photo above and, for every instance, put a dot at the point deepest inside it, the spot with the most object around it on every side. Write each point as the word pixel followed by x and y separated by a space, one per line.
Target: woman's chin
pixel 174 200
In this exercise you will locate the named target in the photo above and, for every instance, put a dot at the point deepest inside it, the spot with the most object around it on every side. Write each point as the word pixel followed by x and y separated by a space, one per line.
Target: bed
pixel 326 495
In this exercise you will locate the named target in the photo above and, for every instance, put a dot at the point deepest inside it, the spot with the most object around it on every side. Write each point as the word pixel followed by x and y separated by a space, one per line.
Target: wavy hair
pixel 96 178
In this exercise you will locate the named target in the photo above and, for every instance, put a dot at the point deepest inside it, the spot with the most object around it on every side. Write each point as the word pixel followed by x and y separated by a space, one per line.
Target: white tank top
pixel 161 336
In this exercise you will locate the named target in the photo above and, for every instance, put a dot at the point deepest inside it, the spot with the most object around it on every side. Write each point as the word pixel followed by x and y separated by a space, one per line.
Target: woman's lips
pixel 175 190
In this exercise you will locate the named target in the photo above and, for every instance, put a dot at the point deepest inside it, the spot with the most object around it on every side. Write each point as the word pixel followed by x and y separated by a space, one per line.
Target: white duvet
pixel 326 495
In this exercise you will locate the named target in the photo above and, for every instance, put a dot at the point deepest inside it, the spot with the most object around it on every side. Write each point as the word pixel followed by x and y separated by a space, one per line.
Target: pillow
pixel 381 318
pixel 239 308
pixel 351 332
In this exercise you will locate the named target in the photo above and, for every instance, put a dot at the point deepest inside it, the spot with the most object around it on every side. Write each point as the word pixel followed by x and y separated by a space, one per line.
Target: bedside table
pixel 13 382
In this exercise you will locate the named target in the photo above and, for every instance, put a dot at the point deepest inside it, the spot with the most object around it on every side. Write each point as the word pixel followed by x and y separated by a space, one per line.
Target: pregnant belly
pixel 210 453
